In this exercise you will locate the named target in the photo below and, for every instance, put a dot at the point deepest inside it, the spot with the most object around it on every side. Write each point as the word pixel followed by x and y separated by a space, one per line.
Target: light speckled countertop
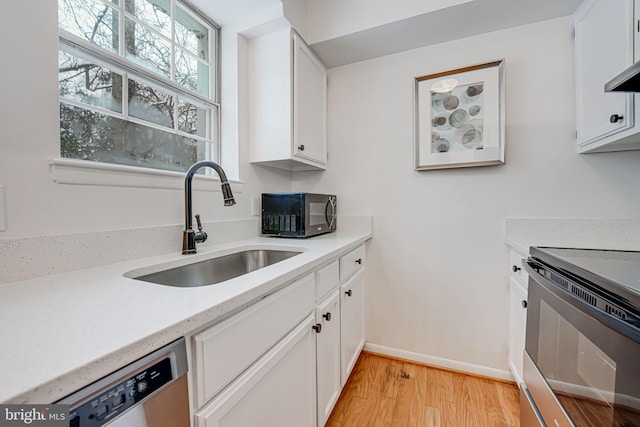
pixel 585 233
pixel 62 332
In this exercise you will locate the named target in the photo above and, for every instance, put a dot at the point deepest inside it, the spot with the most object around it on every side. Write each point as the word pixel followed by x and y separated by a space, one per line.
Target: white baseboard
pixel 440 362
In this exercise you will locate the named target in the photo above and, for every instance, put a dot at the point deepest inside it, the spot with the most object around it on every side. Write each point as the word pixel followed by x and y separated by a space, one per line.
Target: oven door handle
pixel 552 287
pixel 529 269
pixel 570 298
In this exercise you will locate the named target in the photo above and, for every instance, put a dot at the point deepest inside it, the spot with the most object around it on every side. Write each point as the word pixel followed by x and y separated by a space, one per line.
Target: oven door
pixel 579 369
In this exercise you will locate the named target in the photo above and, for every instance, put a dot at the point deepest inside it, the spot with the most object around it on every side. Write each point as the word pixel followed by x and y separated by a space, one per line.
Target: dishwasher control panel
pixel 110 402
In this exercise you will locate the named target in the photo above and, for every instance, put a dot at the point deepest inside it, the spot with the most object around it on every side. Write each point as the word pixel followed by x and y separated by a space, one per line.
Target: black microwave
pixel 298 214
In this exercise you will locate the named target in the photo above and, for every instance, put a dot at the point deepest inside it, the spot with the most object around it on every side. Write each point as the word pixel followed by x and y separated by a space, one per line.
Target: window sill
pixel 81 172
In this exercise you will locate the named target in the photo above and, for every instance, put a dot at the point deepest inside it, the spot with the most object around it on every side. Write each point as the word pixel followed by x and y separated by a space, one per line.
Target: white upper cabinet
pixel 309 104
pixel 604 46
pixel 287 103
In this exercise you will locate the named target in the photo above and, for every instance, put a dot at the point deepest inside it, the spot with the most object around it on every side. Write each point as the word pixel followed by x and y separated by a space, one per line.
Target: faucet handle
pixel 199 236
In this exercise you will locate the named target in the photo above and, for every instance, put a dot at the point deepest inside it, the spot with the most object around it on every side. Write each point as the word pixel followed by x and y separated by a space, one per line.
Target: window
pixel 137 83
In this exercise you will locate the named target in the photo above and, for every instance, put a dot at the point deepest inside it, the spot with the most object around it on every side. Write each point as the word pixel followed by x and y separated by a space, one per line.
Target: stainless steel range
pixel 582 350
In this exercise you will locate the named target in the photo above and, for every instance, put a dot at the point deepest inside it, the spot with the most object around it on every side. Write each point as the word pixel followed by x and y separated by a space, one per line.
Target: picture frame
pixel 459 117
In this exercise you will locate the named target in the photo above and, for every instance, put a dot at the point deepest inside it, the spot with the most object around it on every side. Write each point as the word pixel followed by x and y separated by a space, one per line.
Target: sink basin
pixel 216 270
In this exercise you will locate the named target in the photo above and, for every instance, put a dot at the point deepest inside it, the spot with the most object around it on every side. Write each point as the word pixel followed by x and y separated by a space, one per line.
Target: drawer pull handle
pixel 317 327
pixel 348 293
pixel 359 261
pixel 515 268
pixel 524 303
pixel 615 118
pixel 327 316
pixel 301 147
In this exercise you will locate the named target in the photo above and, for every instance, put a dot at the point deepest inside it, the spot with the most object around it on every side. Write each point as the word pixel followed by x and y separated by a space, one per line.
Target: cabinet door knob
pixel 301 146
pixel 317 327
pixel 359 261
pixel 515 268
pixel 615 118
pixel 524 303
pixel 327 316
pixel 348 293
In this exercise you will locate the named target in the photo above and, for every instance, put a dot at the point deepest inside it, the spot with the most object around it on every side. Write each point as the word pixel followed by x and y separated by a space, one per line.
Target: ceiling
pixel 464 20
pixel 451 23
pixel 226 11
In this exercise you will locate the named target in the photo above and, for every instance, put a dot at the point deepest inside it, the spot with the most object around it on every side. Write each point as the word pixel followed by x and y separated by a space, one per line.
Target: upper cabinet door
pixel 604 43
pixel 310 104
pixel 287 103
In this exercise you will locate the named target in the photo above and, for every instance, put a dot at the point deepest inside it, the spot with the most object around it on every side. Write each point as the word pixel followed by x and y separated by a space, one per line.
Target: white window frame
pixel 75 171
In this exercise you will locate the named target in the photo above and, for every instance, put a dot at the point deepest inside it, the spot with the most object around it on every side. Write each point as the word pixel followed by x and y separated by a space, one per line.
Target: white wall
pixel 29 136
pixel 437 268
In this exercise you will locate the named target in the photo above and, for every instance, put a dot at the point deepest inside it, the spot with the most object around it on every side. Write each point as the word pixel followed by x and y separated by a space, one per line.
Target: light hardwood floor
pixel 386 392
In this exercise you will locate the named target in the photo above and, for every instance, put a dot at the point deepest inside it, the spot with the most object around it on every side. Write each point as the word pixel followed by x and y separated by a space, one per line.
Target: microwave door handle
pixel 326 215
pixel 331 203
pixel 332 200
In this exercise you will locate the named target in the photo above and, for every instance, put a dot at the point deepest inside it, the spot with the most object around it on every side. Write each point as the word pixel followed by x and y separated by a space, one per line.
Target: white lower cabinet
pixel 328 355
pixel 225 350
pixel 517 326
pixel 352 322
pixel 278 390
pixel 352 262
pixel 517 314
pixel 282 361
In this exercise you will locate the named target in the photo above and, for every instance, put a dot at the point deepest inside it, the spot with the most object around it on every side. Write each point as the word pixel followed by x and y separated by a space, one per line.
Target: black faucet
pixel 190 237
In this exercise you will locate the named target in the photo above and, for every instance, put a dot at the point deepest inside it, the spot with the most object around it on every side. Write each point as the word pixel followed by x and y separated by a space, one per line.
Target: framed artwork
pixel 459 117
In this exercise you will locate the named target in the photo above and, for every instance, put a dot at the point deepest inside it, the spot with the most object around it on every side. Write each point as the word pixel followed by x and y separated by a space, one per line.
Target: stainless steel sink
pixel 216 270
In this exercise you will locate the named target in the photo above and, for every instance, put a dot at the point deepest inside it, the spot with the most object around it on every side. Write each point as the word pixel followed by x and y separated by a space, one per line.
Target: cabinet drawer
pixel 351 262
pixel 225 350
pixel 516 268
pixel 326 279
pixel 278 390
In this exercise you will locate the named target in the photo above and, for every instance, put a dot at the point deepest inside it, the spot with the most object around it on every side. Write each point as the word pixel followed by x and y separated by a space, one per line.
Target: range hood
pixel 626 81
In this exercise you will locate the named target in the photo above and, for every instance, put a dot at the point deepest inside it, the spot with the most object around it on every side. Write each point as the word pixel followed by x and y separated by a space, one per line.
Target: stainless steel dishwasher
pixel 150 392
